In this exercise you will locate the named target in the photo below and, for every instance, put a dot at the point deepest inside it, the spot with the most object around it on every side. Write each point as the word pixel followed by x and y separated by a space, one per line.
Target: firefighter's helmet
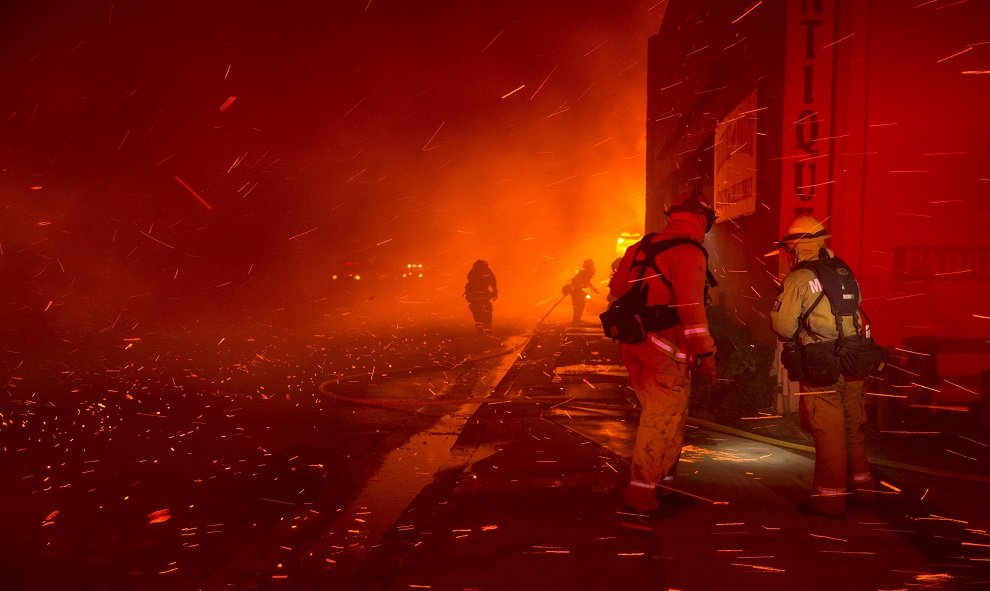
pixel 804 228
pixel 587 264
pixel 692 202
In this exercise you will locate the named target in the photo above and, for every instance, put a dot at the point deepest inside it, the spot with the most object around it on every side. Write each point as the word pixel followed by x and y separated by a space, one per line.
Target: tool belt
pixel 814 363
pixel 821 363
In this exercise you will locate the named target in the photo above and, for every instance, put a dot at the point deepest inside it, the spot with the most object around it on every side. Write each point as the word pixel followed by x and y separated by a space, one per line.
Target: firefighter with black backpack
pixel 829 351
pixel 659 293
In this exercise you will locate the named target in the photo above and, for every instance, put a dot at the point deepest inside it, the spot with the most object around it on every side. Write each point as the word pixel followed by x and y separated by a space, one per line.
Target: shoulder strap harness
pixel 837 284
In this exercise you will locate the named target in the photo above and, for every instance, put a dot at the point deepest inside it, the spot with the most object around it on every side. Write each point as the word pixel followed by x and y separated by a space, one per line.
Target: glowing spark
pixel 227 103
pixel 885 395
pixel 160 516
pixel 157 240
pixel 904 297
pixel 237 161
pixel 828 538
pixel 890 486
pixel 596 48
pixel 302 234
pixel 974 441
pixel 513 92
pixel 981 317
pixel 50 520
pixel 700 498
pixel 193 192
pixel 427 144
pixel 958 53
pixel 492 41
pixel 542 83
pixel 976 72
pixel 227 73
pixel 358 104
pixel 912 352
pixel 961 387
pixel 751 9
pixel 838 41
pixel 759 567
pixel 961 455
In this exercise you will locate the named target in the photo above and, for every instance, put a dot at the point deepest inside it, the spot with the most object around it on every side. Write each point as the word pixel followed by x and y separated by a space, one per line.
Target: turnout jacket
pixel 798 293
pixel 685 267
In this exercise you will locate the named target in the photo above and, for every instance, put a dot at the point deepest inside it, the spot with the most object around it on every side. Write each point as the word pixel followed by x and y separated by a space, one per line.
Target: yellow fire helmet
pixel 805 228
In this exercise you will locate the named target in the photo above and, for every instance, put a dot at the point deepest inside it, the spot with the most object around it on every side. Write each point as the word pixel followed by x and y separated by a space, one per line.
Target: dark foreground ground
pixel 360 456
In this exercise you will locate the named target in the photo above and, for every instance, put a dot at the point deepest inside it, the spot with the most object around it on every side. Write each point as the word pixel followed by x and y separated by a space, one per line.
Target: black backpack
pixel 628 319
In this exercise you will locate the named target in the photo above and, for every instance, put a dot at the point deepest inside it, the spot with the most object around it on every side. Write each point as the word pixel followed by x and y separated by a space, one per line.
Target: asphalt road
pixel 167 460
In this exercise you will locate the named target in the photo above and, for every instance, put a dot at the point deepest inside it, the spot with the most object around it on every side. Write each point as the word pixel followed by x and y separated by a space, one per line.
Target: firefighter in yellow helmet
pixel 673 266
pixel 832 403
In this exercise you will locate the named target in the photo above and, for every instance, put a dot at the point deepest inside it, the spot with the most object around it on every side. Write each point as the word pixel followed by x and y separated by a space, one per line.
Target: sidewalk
pixel 531 502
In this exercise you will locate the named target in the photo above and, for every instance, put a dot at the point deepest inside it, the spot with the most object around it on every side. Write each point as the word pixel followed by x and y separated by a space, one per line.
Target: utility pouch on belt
pixel 791 359
pixel 628 323
pixel 861 357
pixel 814 363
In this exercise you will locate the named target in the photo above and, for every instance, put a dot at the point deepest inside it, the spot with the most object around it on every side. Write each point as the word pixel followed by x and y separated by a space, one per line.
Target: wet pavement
pixel 532 504
pixel 488 463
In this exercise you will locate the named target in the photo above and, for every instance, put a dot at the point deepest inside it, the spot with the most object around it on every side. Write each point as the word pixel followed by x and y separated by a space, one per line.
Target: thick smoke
pixel 158 177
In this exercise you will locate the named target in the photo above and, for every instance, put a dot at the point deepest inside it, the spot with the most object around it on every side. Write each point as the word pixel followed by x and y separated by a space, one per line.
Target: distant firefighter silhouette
pixel 577 288
pixel 480 290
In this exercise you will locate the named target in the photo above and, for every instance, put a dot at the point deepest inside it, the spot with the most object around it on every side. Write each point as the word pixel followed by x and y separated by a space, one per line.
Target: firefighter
pixel 833 413
pixel 660 367
pixel 576 287
pixel 480 290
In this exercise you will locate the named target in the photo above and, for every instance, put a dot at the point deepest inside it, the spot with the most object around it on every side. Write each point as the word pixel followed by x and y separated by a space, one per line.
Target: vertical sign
pixel 735 161
pixel 808 95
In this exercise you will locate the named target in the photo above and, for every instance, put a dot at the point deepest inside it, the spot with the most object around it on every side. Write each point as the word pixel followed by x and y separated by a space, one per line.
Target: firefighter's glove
pixel 705 368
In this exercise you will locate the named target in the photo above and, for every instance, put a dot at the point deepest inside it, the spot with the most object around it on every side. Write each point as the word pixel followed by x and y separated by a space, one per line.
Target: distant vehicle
pixel 413 271
pixel 349 272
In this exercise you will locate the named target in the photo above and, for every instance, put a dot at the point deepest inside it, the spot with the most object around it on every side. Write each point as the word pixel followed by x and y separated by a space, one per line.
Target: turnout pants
pixel 835 415
pixel 481 310
pixel 662 384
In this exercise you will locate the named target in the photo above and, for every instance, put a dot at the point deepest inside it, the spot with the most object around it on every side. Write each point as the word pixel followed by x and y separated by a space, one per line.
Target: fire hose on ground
pixel 708 425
